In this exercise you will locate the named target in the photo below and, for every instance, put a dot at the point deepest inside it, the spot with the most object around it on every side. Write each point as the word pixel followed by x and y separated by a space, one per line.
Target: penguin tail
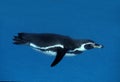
pixel 20 39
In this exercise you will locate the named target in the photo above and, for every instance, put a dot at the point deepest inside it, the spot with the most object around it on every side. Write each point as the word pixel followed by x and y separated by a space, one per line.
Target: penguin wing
pixel 59 56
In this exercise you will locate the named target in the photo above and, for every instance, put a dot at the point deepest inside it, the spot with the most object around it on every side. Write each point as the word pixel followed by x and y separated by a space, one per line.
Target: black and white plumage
pixel 55 44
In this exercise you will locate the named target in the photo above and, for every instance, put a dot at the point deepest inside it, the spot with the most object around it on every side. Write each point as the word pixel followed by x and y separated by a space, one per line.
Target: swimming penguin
pixel 55 44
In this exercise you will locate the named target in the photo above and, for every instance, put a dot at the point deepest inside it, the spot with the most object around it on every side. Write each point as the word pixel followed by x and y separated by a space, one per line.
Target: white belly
pixel 51 53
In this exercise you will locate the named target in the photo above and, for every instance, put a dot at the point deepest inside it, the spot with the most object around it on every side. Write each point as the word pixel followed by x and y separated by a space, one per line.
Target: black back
pixel 44 39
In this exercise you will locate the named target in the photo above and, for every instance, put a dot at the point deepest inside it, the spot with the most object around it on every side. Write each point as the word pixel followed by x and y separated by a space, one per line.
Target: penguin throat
pixel 81 48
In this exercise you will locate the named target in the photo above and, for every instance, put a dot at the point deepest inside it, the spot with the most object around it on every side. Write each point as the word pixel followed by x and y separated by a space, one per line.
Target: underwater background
pixel 98 20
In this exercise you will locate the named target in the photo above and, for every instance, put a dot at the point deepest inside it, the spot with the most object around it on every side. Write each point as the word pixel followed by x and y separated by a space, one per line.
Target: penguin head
pixel 87 45
pixel 91 45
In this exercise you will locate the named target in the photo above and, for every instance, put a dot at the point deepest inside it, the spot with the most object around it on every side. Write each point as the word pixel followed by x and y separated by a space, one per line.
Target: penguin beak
pixel 98 46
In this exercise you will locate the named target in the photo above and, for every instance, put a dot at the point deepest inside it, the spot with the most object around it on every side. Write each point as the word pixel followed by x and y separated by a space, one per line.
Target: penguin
pixel 55 44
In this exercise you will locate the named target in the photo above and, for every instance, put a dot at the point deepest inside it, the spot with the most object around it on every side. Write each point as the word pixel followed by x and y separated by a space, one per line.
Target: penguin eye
pixel 88 46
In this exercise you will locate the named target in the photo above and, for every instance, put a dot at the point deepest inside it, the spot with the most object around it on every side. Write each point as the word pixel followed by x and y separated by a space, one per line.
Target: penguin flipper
pixel 59 56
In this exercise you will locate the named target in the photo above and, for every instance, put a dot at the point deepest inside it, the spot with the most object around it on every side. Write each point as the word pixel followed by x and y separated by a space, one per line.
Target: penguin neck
pixel 80 48
pixel 80 45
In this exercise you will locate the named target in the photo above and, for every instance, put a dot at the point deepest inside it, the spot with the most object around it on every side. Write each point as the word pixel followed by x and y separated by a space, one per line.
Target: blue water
pixel 93 19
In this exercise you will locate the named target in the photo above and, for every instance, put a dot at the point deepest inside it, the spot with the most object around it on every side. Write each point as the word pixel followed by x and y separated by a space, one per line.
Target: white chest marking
pixel 51 53
pixel 53 46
